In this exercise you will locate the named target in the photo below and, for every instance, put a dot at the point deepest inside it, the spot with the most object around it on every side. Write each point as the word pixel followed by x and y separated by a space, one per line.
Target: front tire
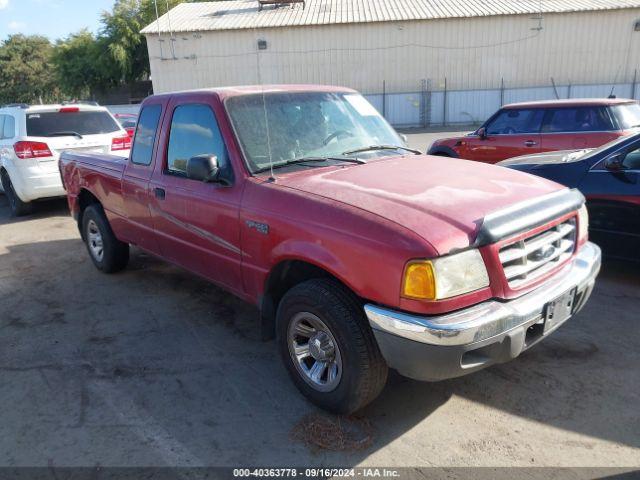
pixel 108 254
pixel 328 347
pixel 17 206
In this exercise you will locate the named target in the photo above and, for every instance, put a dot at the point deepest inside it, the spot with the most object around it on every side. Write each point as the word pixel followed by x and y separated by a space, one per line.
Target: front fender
pixel 313 254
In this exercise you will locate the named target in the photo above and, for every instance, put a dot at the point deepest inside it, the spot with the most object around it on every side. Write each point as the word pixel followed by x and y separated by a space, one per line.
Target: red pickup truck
pixel 360 253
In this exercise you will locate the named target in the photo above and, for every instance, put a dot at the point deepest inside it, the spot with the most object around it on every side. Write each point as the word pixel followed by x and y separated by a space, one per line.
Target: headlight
pixel 445 277
pixel 583 224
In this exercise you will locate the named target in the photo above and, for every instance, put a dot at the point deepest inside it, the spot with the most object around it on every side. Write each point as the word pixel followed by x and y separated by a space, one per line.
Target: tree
pixel 82 63
pixel 122 26
pixel 26 69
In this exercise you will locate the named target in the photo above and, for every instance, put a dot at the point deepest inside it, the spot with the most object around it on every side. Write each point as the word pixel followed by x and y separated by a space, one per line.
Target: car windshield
pixel 627 114
pixel 286 127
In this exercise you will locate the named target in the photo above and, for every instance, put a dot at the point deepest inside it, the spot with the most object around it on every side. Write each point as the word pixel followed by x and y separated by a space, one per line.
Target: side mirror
pixel 482 133
pixel 204 168
pixel 614 164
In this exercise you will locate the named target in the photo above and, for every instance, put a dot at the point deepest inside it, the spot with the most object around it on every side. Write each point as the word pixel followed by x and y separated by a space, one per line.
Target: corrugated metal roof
pixel 242 14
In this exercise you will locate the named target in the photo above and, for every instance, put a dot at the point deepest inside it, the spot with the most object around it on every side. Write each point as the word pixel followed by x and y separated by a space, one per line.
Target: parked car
pixel 609 177
pixel 534 127
pixel 128 122
pixel 32 138
pixel 360 253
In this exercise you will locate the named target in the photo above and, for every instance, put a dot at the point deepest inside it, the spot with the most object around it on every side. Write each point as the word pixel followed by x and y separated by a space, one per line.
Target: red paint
pixel 361 223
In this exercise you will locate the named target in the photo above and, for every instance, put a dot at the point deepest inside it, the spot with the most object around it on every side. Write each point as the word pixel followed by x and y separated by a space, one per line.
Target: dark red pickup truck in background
pixel 544 126
pixel 360 253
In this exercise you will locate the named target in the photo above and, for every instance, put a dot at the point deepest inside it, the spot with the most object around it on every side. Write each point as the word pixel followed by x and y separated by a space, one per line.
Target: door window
pixel 632 160
pixel 194 131
pixel 516 121
pixel 142 150
pixel 581 119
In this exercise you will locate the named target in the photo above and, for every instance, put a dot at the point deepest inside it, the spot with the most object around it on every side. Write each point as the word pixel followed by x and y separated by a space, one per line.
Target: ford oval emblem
pixel 543 253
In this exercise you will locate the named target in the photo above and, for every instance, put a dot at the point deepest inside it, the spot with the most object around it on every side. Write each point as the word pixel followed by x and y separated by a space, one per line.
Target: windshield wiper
pixel 296 161
pixel 65 134
pixel 372 148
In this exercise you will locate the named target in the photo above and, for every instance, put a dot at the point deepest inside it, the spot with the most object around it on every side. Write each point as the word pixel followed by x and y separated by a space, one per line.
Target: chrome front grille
pixel 532 257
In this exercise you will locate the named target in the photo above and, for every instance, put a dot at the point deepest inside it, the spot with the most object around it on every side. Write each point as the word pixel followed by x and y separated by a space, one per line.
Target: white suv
pixel 32 138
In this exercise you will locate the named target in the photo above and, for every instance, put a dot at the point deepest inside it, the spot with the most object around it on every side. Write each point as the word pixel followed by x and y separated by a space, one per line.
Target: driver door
pixel 510 133
pixel 196 222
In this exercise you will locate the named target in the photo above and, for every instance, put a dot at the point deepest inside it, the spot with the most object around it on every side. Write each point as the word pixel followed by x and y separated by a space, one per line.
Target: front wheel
pixel 17 206
pixel 328 347
pixel 107 252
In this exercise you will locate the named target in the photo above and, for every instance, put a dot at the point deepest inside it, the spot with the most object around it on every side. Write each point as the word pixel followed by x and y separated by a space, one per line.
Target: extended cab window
pixel 194 131
pixel 516 120
pixel 87 122
pixel 581 119
pixel 146 135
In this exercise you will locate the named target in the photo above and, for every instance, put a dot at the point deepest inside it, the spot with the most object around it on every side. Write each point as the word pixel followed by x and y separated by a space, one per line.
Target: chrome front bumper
pixel 485 328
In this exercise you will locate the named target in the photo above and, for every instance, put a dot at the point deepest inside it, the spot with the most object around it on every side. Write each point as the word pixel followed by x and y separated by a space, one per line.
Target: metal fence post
pixel 633 85
pixel 384 98
pixel 423 103
pixel 502 91
pixel 555 90
pixel 444 104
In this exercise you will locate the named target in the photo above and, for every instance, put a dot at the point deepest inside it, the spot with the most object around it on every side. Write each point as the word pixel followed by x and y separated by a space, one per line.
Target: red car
pixel 128 122
pixel 360 253
pixel 535 127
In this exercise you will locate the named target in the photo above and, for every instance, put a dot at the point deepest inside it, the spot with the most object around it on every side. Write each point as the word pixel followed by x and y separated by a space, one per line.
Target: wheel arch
pixel 85 198
pixel 284 275
pixel 443 151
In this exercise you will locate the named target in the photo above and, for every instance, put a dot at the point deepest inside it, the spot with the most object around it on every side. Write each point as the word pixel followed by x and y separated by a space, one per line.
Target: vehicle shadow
pixel 42 209
pixel 154 366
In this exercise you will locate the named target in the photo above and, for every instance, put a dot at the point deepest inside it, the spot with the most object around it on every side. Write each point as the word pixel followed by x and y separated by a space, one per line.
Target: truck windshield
pixel 47 124
pixel 290 126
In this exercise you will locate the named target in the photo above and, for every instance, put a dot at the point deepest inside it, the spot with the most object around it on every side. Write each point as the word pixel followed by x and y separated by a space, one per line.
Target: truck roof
pixel 571 102
pixel 226 92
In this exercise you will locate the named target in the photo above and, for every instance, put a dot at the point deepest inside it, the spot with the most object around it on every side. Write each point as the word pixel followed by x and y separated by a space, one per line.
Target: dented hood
pixel 442 200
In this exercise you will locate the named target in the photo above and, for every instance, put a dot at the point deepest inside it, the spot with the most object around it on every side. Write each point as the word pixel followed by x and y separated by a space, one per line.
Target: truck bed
pixel 98 173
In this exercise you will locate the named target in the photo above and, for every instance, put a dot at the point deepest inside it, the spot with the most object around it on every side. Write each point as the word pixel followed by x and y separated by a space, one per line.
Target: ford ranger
pixel 361 254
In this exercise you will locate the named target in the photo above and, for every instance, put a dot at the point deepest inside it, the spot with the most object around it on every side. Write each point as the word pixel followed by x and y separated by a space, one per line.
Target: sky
pixel 51 18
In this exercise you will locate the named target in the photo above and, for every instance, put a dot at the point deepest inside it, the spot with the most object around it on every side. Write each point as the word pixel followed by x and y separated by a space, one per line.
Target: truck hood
pixel 442 200
pixel 546 158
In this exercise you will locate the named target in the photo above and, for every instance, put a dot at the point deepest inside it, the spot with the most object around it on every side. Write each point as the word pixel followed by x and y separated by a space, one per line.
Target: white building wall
pixel 475 53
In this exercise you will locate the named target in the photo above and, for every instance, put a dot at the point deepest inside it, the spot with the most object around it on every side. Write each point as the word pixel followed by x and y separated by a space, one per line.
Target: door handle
pixel 530 143
pixel 159 193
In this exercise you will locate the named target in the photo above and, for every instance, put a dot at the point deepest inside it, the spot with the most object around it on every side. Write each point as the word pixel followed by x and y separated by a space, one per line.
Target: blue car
pixel 608 177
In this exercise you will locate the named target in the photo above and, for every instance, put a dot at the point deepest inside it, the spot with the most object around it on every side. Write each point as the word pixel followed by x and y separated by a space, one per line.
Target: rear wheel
pixel 328 347
pixel 107 252
pixel 17 206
